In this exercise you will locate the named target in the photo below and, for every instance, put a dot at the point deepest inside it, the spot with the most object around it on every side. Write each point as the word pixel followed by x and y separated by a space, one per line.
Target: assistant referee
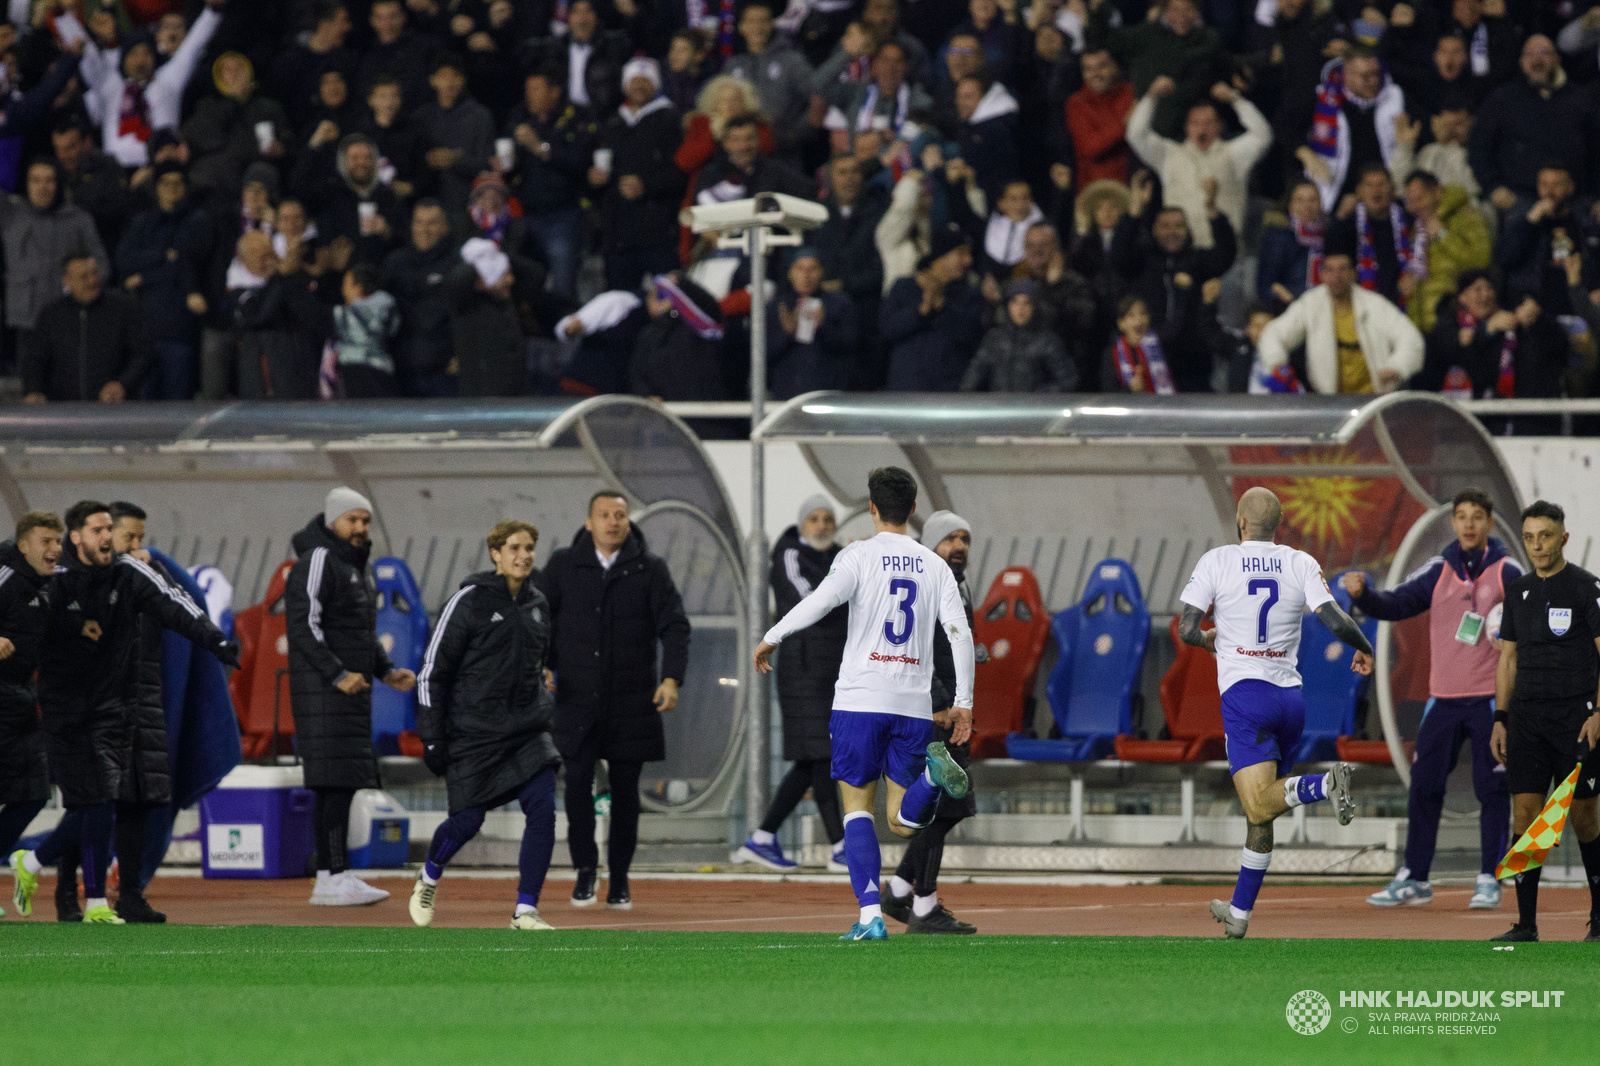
pixel 1546 686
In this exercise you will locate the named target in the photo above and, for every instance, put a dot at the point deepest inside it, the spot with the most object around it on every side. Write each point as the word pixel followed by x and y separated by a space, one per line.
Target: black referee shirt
pixel 1554 621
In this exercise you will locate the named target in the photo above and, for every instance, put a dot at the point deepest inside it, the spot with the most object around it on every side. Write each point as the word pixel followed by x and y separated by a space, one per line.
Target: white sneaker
pixel 836 863
pixel 1486 894
pixel 530 920
pixel 421 905
pixel 1403 891
pixel 345 890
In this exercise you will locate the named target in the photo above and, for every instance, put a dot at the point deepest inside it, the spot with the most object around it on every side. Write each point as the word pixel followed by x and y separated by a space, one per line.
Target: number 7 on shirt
pixel 1270 586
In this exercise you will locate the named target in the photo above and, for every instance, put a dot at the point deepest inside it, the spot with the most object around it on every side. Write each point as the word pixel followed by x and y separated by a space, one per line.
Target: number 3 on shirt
pixel 1269 585
pixel 896 587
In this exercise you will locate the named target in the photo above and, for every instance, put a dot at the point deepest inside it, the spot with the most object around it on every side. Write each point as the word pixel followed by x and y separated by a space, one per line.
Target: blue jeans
pixel 559 236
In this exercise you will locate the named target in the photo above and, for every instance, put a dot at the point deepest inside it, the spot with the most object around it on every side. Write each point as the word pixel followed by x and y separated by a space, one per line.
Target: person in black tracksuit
pixel 807 670
pixel 85 671
pixel 484 714
pixel 1546 721
pixel 26 565
pixel 913 895
pixel 611 603
pixel 334 656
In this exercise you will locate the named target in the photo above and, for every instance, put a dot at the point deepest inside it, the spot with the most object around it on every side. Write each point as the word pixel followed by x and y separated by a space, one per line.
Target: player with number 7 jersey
pixel 1258 590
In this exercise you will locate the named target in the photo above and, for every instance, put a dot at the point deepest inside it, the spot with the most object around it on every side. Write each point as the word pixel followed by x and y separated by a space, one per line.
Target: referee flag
pixel 1532 847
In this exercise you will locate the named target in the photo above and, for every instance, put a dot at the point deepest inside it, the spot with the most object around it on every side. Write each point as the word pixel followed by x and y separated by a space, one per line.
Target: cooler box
pixel 257 823
pixel 380 831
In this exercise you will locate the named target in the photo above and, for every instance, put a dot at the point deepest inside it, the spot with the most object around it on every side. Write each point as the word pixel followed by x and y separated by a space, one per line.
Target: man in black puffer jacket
pixel 26 565
pixel 808 667
pixel 85 672
pixel 484 713
pixel 611 601
pixel 334 656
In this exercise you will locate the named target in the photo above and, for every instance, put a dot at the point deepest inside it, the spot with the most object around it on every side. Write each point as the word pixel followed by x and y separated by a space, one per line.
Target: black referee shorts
pixel 1542 748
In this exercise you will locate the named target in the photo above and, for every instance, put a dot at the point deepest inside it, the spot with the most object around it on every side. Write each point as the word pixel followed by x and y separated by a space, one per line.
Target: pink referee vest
pixel 1456 669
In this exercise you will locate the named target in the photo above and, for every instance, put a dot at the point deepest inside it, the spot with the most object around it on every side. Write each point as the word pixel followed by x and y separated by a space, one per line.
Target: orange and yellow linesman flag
pixel 1532 847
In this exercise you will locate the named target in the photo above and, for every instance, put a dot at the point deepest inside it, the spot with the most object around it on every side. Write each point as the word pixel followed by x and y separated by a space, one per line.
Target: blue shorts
pixel 870 745
pixel 1263 723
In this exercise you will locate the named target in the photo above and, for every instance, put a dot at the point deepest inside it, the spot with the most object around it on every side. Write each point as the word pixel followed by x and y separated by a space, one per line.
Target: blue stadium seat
pixel 1332 690
pixel 1102 642
pixel 403 632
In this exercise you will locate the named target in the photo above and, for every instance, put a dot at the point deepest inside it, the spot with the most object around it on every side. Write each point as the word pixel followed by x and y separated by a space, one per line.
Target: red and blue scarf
pixel 1309 237
pixel 1366 254
pixel 1147 355
pixel 1505 384
pixel 1324 136
pixel 691 313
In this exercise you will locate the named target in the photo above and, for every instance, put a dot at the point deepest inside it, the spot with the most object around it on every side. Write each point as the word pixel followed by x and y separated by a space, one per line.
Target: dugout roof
pixel 229 485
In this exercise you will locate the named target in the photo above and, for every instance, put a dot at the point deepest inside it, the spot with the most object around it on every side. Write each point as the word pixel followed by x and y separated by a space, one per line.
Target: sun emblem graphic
pixel 1325 509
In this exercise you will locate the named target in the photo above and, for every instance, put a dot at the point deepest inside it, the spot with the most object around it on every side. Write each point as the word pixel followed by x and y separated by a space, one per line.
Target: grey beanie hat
pixel 815 502
pixel 941 524
pixel 342 501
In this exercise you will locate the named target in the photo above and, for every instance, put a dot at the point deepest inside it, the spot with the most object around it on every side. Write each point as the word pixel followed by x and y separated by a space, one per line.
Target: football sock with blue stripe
pixel 1252 871
pixel 861 854
pixel 1308 788
pixel 920 795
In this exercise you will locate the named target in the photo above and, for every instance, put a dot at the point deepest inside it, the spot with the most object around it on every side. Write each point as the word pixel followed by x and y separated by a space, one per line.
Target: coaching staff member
pixel 85 668
pixel 334 654
pixel 1545 688
pixel 611 601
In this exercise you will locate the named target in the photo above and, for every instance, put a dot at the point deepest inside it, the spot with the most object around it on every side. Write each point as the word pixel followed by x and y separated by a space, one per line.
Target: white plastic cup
pixel 809 314
pixel 602 160
pixel 505 150
pixel 264 135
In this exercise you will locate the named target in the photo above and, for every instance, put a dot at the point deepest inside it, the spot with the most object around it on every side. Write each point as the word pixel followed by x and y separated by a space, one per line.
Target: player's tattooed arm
pixel 1344 627
pixel 1189 630
pixel 1258 838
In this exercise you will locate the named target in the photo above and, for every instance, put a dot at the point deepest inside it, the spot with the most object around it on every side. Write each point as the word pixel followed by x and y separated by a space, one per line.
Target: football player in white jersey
pixel 1260 590
pixel 882 724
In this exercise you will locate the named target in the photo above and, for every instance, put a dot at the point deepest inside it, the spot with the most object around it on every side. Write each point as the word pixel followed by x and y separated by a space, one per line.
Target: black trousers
pixel 579 796
pixel 815 775
pixel 331 822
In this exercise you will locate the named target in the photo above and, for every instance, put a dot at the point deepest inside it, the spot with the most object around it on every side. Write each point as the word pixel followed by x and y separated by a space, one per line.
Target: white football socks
pixel 922 906
pixel 899 887
pixel 761 836
pixel 98 901
pixel 869 913
pixel 31 863
pixel 524 908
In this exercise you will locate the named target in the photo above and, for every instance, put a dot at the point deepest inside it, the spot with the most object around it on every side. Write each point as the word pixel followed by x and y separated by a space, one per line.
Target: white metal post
pixel 756 567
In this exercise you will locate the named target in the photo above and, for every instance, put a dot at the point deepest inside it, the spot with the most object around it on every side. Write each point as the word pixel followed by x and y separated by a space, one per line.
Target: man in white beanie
pixel 807 670
pixel 913 895
pixel 334 656
pixel 637 183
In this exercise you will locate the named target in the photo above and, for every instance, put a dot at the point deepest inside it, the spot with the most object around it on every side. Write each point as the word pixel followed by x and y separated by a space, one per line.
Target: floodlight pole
pixel 755 242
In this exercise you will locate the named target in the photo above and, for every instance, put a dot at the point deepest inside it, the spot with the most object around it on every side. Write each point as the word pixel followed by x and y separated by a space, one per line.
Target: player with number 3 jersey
pixel 882 722
pixel 1260 590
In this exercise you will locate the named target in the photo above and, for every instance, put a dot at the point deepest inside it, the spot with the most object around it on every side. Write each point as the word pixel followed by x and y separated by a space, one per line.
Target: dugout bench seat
pixel 260 687
pixel 1192 707
pixel 1012 626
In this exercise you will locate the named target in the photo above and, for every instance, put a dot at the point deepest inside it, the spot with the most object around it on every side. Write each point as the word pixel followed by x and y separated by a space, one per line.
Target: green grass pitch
pixel 246 995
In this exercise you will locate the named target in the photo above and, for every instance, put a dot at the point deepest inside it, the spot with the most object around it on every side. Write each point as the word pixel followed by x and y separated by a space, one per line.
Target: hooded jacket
pixel 481 689
pixel 1463 244
pixel 24 615
pixel 332 628
pixel 1016 358
pixel 808 664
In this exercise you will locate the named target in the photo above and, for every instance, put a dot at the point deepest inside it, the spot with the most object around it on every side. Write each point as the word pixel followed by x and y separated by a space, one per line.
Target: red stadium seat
pixel 1353 749
pixel 264 712
pixel 1193 709
pixel 1013 625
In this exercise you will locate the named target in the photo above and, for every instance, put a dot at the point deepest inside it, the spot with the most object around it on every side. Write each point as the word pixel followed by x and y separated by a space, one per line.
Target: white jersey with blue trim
pixel 1260 591
pixel 897 591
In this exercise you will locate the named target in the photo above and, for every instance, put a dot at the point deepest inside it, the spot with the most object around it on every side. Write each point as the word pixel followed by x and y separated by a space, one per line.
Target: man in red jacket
pixel 1097 116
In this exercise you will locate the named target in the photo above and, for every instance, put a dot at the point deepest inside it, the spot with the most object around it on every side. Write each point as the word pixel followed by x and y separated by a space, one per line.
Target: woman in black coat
pixel 808 667
pixel 484 714
pixel 334 656
pixel 608 618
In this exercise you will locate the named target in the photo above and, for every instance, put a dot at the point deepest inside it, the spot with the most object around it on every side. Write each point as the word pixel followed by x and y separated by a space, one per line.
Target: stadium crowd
pixel 369 198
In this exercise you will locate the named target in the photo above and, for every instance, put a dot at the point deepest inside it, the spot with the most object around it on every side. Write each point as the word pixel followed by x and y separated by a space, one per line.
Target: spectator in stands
pixel 1536 240
pixel 1096 117
pixel 883 103
pixel 1065 302
pixel 987 116
pixel 845 243
pixel 1106 236
pixel 1004 235
pixel 485 326
pixel 932 322
pixel 296 68
pixel 457 134
pixel 1452 237
pixel 1450 81
pixel 685 72
pixel 41 230
pixel 1178 355
pixel 1379 236
pixel 590 58
pixel 1527 122
pixel 1286 53
pixel 555 142
pixel 742 171
pixel 352 203
pixel 1479 351
pixel 1445 158
pixel 1173 44
pixel 363 328
pixel 1355 340
pixel 678 356
pixel 415 276
pixel 334 114
pixel 234 129
pixel 612 605
pixel 723 99
pixel 1204 168
pixel 1020 353
pixel 640 188
pixel 89 344
pixel 963 58
pixel 1174 279
pixel 881 20
pixel 133 96
pixel 1353 126
pixel 813 337
pixel 21 111
pixel 400 163
pixel 93 180
pixel 161 260
pixel 780 74
pixel 280 323
pixel 1291 255
pixel 396 52
pixel 904 233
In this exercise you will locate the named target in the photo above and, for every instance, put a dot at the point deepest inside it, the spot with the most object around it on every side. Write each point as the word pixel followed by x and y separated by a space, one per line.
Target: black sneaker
pixel 1518 934
pixel 939 920
pixel 67 908
pixel 617 897
pixel 896 907
pixel 583 891
pixel 1594 931
pixel 135 909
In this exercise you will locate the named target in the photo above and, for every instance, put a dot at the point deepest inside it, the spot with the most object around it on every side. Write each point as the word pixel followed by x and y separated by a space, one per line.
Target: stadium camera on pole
pixel 747 225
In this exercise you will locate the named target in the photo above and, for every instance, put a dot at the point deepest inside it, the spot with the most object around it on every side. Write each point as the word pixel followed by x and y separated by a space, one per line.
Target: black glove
pixel 228 654
pixel 437 757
